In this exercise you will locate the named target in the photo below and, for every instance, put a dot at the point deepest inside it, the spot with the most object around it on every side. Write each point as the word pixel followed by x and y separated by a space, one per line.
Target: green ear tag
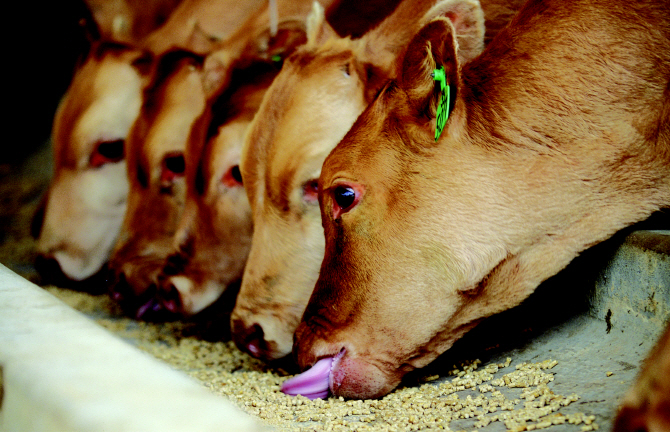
pixel 443 106
pixel 276 58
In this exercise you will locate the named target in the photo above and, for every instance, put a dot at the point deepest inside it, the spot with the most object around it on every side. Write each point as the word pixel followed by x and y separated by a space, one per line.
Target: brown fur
pixel 313 102
pixel 85 203
pixel 203 26
pixel 200 26
pixel 646 406
pixel 174 114
pixel 129 21
pixel 559 136
pixel 172 105
pixel 212 241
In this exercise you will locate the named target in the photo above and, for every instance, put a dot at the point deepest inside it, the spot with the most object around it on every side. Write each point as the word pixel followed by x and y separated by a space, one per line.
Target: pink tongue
pixel 313 383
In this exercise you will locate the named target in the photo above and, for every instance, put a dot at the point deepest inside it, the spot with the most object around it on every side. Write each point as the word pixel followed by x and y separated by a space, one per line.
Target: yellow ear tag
pixel 443 106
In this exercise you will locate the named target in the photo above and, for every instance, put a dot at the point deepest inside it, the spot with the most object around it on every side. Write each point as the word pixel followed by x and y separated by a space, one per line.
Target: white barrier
pixel 63 372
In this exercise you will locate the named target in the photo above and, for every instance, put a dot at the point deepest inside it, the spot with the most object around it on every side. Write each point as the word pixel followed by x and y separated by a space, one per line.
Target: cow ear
pixel 216 72
pixel 265 46
pixel 383 46
pixel 318 29
pixel 290 34
pixel 467 18
pixel 434 47
pixel 199 41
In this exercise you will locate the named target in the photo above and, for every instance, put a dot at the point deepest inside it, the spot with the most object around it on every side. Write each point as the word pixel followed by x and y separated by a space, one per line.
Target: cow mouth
pixel 315 382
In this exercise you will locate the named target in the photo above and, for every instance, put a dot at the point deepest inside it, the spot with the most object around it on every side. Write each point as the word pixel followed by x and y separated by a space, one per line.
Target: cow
pixel 557 136
pixel 211 243
pixel 129 21
pixel 175 113
pixel 646 405
pixel 84 206
pixel 312 103
pixel 80 218
pixel 155 173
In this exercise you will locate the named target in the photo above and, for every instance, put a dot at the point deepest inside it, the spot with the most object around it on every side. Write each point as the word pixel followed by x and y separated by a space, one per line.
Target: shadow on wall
pixel 47 39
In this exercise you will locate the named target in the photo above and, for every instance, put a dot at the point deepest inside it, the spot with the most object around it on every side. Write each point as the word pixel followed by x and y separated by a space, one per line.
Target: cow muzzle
pixel 354 373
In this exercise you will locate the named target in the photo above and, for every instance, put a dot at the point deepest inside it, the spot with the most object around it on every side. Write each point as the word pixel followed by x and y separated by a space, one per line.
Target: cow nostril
pixel 254 341
pixel 170 298
pixel 149 310
pixel 249 338
pixel 119 288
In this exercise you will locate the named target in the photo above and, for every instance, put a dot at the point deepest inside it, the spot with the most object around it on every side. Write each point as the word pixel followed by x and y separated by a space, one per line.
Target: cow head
pixel 312 103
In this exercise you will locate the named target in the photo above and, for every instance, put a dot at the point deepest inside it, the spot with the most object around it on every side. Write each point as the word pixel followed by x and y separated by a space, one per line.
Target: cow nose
pixel 49 270
pixel 170 298
pixel 249 339
pixel 119 288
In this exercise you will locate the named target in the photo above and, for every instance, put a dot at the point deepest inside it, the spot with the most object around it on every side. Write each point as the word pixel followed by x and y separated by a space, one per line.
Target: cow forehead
pixel 307 81
pixel 372 138
pixel 100 105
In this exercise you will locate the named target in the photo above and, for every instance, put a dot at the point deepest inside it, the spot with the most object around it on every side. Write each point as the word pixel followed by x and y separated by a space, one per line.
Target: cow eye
pixel 310 191
pixel 173 167
pixel 346 69
pixel 107 152
pixel 232 177
pixel 175 164
pixel 345 198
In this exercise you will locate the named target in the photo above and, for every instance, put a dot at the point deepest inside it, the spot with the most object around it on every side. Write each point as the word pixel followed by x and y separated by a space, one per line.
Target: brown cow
pixel 213 238
pixel 129 21
pixel 156 168
pixel 87 197
pixel 646 406
pixel 558 136
pixel 313 102
pixel 174 114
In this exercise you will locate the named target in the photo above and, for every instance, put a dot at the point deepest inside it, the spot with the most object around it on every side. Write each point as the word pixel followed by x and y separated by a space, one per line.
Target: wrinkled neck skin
pixel 448 234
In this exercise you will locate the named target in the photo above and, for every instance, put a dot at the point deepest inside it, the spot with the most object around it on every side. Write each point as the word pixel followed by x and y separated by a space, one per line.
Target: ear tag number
pixel 443 106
